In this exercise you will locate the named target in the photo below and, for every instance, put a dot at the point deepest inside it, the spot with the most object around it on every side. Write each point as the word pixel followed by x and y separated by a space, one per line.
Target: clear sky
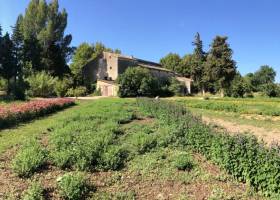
pixel 150 29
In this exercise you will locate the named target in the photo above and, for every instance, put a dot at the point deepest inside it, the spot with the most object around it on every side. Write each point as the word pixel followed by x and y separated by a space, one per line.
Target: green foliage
pixel 171 61
pixel 44 44
pixel 265 75
pixel 61 87
pixel 76 92
pixel 239 155
pixel 3 84
pixel 34 192
pixel 112 158
pixel 41 84
pixel 136 81
pixel 176 87
pixel 242 106
pixel 271 89
pixel 219 64
pixel 89 141
pixel 73 186
pixel 143 142
pixel 30 159
pixel 238 87
pixel 183 162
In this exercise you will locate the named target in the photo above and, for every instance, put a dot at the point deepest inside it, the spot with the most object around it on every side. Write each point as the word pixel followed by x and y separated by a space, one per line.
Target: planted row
pixel 13 114
pixel 240 155
pixel 241 107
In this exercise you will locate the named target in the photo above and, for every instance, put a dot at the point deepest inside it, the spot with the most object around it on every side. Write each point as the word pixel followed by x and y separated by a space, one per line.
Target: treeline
pixel 215 71
pixel 34 58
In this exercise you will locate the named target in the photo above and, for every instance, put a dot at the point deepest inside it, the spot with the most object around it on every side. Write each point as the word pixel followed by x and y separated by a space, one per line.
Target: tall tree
pixel 221 66
pixel 8 67
pixel 17 39
pixel 265 75
pixel 82 55
pixel 197 67
pixel 45 45
pixel 171 61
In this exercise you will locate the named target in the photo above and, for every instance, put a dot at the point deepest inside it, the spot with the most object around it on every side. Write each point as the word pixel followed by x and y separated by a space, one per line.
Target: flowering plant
pixel 12 114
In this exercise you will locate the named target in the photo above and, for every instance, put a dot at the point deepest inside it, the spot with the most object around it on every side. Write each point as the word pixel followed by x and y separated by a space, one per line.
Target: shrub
pixel 238 87
pixel 136 81
pixel 97 92
pixel 41 84
pixel 73 186
pixel 113 158
pixel 143 142
pixel 271 89
pixel 176 87
pixel 27 161
pixel 3 84
pixel 77 92
pixel 34 192
pixel 62 86
pixel 183 162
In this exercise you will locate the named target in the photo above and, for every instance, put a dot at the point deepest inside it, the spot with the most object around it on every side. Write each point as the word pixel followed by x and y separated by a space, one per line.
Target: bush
pixel 136 81
pixel 271 90
pixel 34 192
pixel 31 157
pixel 62 86
pixel 77 92
pixel 143 142
pixel 113 158
pixel 176 87
pixel 3 84
pixel 239 87
pixel 183 162
pixel 41 84
pixel 73 186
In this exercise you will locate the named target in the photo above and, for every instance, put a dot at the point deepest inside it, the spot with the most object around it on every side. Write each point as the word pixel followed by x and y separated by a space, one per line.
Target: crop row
pixel 100 136
pixel 13 114
pixel 244 107
pixel 240 155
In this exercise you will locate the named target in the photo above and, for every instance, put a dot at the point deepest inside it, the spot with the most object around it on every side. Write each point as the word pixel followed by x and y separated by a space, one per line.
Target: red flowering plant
pixel 12 114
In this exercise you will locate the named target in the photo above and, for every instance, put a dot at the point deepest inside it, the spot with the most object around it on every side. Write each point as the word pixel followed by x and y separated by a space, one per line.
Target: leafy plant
pixel 239 155
pixel 34 192
pixel 183 162
pixel 31 157
pixel 73 186
pixel 41 84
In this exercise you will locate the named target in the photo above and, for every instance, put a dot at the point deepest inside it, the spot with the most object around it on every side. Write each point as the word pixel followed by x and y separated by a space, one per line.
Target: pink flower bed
pixel 12 114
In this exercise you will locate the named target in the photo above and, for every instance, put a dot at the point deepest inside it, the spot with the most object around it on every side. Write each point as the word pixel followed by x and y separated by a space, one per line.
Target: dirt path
pixel 268 136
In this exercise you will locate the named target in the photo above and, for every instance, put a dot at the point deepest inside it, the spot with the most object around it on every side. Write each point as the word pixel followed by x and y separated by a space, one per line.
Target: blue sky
pixel 150 29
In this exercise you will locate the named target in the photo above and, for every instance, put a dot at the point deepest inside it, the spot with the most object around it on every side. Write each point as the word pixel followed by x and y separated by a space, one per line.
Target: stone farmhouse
pixel 106 68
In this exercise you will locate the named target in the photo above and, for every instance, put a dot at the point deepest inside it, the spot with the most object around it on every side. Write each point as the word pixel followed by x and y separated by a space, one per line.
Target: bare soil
pixel 269 136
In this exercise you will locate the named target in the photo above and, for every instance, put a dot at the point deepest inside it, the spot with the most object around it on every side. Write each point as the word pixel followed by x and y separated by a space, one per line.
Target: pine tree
pixel 45 45
pixel 220 65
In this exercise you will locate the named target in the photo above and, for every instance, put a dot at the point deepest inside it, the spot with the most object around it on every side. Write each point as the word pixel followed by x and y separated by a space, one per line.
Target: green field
pixel 258 106
pixel 120 151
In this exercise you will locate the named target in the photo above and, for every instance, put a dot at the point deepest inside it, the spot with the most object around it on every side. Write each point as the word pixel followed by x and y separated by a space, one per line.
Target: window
pixel 110 67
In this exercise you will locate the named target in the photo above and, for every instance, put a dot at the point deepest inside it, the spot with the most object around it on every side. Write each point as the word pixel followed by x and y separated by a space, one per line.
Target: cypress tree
pixel 220 65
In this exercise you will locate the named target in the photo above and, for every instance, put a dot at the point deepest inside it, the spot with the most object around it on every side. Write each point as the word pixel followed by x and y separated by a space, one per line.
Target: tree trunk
pixel 222 93
pixel 203 91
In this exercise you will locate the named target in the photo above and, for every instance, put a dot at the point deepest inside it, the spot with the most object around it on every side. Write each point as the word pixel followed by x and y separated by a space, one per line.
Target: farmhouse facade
pixel 105 70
